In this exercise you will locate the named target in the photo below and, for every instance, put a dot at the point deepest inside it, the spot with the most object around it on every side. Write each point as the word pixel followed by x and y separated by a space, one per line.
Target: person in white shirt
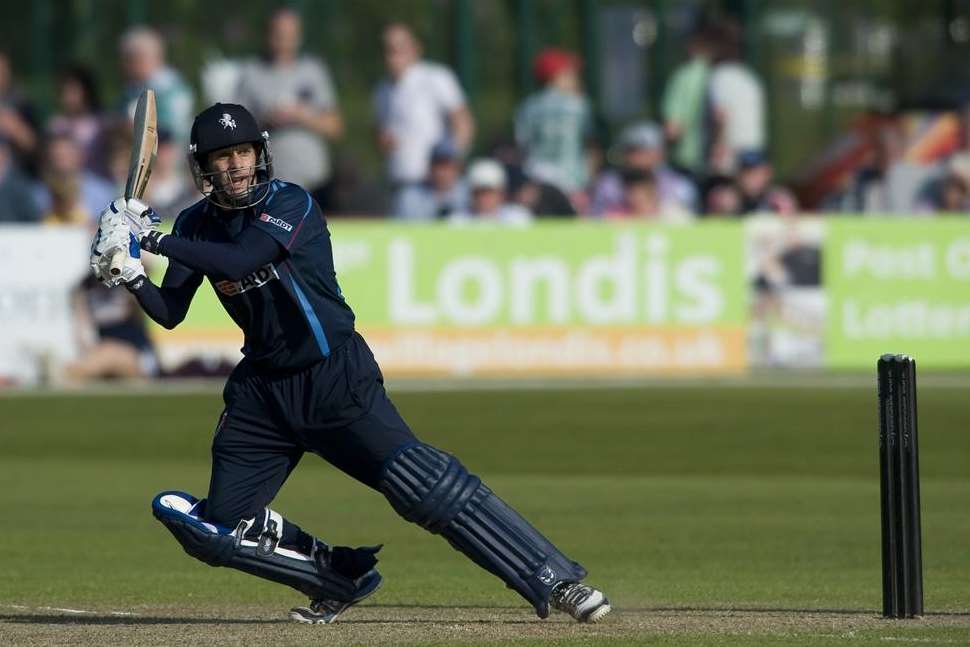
pixel 737 101
pixel 487 182
pixel 418 105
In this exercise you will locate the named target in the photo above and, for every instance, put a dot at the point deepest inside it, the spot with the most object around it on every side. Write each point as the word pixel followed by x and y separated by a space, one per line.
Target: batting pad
pixel 434 490
pixel 219 546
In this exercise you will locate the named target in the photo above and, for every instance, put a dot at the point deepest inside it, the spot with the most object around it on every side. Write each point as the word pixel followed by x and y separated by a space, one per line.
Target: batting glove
pixel 131 272
pixel 143 223
pixel 112 237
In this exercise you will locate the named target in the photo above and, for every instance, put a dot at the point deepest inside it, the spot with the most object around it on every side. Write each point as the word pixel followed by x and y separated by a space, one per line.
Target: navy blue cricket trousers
pixel 336 408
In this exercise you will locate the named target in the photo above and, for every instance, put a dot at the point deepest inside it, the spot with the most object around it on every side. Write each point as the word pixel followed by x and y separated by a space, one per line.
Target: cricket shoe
pixel 324 612
pixel 581 601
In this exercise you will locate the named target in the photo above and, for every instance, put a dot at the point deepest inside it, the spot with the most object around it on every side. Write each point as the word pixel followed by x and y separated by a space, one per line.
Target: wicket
pixel 902 562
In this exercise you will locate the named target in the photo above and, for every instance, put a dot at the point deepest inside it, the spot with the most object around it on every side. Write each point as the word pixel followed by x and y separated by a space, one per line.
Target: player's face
pixel 234 168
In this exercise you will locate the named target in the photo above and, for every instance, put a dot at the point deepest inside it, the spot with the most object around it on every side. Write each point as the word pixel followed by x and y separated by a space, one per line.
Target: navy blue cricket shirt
pixel 291 311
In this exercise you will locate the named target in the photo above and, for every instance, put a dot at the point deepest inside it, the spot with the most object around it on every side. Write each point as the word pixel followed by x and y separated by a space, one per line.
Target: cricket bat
pixel 144 147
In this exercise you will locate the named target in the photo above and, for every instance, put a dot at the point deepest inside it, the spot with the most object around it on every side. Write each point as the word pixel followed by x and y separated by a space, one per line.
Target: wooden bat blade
pixel 144 147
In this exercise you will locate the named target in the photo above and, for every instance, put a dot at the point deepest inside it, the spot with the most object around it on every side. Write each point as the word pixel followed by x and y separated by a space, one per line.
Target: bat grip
pixel 117 261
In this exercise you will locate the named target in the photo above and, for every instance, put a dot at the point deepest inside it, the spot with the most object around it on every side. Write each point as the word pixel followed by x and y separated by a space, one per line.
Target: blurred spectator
pixel 65 202
pixel 17 125
pixel 113 339
pixel 144 67
pixel 442 194
pixel 117 151
pixel 947 192
pixel 79 114
pixel 685 105
pixel 63 178
pixel 17 203
pixel 641 200
pixel 737 103
pixel 543 200
pixel 170 190
pixel 487 183
pixel 553 124
pixel 867 189
pixel 641 147
pixel 722 197
pixel 952 195
pixel 293 95
pixel 418 105
pixel 758 193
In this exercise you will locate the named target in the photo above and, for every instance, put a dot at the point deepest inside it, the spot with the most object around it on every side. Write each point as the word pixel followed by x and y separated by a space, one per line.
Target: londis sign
pixel 552 298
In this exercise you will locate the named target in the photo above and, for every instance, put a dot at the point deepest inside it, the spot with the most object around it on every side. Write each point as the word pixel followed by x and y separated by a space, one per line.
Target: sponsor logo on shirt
pixel 282 224
pixel 257 279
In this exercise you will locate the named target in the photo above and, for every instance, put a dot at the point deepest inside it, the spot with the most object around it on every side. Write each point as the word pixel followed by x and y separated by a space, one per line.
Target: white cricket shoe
pixel 581 601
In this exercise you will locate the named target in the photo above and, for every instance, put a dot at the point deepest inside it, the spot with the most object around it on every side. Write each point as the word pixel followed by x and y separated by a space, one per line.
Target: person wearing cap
pixel 552 126
pixel 641 147
pixel 487 183
pixel 442 194
pixel 758 192
pixel 308 383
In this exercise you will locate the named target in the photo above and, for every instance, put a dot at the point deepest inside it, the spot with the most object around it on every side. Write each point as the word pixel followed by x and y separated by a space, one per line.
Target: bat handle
pixel 117 261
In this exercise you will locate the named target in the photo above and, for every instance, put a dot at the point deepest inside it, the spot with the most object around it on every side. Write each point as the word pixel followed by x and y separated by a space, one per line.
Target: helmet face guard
pixel 209 183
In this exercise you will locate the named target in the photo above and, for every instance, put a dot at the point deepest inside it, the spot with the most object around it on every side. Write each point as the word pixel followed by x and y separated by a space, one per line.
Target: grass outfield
pixel 710 515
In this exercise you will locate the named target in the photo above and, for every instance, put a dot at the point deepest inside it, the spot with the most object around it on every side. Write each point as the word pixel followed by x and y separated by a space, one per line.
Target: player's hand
pixel 132 269
pixel 112 237
pixel 143 224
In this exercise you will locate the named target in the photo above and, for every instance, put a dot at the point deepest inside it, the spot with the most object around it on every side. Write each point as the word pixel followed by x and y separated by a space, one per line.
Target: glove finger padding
pixel 353 562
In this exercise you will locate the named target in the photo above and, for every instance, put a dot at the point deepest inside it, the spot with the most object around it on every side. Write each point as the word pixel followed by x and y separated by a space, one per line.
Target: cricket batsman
pixel 307 383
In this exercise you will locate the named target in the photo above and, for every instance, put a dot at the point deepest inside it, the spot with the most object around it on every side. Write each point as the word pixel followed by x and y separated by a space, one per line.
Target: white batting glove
pixel 143 224
pixel 114 237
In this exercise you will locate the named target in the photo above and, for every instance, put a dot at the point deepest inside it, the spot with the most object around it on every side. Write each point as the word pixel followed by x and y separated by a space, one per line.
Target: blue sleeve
pixel 243 255
pixel 290 215
pixel 168 304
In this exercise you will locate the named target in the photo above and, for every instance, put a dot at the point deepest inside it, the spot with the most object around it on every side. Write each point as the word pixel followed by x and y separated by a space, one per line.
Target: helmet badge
pixel 227 121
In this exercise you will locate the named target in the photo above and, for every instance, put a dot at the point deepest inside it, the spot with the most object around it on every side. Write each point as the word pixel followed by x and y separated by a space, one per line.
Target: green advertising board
pixel 898 286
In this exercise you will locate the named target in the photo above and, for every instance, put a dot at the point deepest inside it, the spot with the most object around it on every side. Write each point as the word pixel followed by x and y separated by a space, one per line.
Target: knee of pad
pixel 179 512
pixel 428 486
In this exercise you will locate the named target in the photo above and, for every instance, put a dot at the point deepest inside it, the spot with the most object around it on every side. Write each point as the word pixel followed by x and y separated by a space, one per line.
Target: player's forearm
pixel 166 306
pixel 233 260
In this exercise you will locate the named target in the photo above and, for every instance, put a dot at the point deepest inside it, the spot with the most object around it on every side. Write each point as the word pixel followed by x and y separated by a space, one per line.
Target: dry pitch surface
pixel 386 624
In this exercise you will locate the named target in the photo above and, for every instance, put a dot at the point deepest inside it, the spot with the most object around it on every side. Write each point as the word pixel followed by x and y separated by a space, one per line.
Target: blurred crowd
pixel 706 156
